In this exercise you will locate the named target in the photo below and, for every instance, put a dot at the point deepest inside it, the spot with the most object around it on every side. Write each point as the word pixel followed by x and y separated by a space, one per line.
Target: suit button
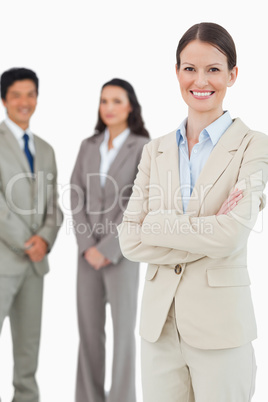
pixel 178 269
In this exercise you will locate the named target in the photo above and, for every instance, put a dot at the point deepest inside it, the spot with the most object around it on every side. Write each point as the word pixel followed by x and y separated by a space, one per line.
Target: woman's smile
pixel 202 94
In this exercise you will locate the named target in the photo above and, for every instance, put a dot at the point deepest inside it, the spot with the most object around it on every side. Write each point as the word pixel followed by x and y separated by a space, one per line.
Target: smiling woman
pixel 195 201
pixel 206 67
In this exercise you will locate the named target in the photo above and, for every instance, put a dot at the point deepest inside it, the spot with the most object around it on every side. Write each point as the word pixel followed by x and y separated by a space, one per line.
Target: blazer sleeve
pixel 229 233
pixel 53 215
pixel 109 244
pixel 85 238
pixel 131 229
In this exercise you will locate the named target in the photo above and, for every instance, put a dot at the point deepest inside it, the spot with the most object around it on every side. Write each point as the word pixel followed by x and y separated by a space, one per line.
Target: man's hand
pixel 36 248
pixel 95 258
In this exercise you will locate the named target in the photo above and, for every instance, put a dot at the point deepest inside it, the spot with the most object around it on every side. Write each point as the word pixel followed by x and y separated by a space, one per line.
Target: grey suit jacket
pixel 28 203
pixel 97 211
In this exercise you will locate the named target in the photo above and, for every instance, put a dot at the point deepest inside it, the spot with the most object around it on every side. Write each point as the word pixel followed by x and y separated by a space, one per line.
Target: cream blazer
pixel 198 258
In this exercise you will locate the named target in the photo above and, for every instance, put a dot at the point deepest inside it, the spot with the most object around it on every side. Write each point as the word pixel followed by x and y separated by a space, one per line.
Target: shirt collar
pixel 118 140
pixel 16 130
pixel 218 127
pixel 181 132
pixel 214 131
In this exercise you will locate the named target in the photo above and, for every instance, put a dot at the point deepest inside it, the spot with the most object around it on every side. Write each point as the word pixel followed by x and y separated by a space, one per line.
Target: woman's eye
pixel 213 69
pixel 189 69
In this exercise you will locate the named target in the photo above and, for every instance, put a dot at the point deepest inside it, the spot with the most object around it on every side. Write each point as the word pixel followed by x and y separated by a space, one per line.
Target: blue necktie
pixel 28 152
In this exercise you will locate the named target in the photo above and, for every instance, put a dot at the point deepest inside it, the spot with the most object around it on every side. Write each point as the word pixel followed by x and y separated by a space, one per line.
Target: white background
pixel 77 46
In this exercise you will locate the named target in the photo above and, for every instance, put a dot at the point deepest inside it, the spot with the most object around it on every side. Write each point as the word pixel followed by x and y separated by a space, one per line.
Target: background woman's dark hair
pixel 211 33
pixel 135 121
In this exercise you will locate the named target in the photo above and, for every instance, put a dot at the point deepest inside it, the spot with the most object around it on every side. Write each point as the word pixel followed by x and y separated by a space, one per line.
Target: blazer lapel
pixel 216 164
pixel 40 171
pixel 121 157
pixel 13 143
pixel 39 158
pixel 94 166
pixel 168 172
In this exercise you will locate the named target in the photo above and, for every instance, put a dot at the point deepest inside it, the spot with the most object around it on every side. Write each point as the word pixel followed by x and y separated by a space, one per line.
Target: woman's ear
pixel 233 76
pixel 177 70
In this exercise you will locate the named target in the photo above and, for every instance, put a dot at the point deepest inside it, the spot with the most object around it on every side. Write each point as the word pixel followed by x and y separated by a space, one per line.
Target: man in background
pixel 30 218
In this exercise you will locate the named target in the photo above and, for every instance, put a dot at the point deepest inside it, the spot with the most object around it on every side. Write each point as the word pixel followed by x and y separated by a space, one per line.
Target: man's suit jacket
pixel 97 211
pixel 197 257
pixel 28 203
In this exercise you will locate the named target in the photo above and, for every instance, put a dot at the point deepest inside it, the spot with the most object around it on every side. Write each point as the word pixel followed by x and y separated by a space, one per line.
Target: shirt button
pixel 178 269
pixel 195 151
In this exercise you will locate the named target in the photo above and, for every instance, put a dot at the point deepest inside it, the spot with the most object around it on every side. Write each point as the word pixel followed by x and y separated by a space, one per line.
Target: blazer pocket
pixel 231 276
pixel 151 272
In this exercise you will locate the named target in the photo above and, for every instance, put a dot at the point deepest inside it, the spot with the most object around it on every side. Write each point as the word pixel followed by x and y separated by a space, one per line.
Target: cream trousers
pixel 173 371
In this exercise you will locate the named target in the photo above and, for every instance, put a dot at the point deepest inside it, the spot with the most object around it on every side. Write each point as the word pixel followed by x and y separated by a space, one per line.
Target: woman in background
pixel 102 182
pixel 195 201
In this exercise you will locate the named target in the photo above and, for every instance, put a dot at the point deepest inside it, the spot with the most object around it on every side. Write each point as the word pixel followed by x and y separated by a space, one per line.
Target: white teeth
pixel 202 93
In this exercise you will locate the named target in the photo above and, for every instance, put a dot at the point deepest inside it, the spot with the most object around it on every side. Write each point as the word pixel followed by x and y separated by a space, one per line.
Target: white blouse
pixel 108 156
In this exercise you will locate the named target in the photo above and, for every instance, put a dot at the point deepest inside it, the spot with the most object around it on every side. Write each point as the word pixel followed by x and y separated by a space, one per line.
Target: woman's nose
pixel 201 79
pixel 109 106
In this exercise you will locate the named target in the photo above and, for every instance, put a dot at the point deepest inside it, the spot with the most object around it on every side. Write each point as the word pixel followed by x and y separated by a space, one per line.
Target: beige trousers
pixel 173 371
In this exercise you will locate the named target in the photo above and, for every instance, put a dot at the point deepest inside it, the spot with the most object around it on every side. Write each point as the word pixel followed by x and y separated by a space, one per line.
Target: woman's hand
pixel 231 202
pixel 95 258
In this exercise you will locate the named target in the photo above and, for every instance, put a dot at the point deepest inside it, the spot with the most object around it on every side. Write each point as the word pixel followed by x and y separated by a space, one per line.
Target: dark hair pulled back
pixel 211 33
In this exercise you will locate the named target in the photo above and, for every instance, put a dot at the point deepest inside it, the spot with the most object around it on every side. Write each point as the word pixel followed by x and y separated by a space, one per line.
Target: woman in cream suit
pixel 102 182
pixel 195 200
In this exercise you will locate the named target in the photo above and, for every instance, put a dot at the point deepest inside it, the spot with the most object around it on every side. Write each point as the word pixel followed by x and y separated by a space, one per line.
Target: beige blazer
pixel 28 204
pixel 197 257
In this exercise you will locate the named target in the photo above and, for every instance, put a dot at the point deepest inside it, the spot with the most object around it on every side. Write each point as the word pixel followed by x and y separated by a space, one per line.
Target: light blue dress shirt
pixel 190 168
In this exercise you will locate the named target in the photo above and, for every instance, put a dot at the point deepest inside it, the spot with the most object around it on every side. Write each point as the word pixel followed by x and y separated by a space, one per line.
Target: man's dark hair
pixel 16 74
